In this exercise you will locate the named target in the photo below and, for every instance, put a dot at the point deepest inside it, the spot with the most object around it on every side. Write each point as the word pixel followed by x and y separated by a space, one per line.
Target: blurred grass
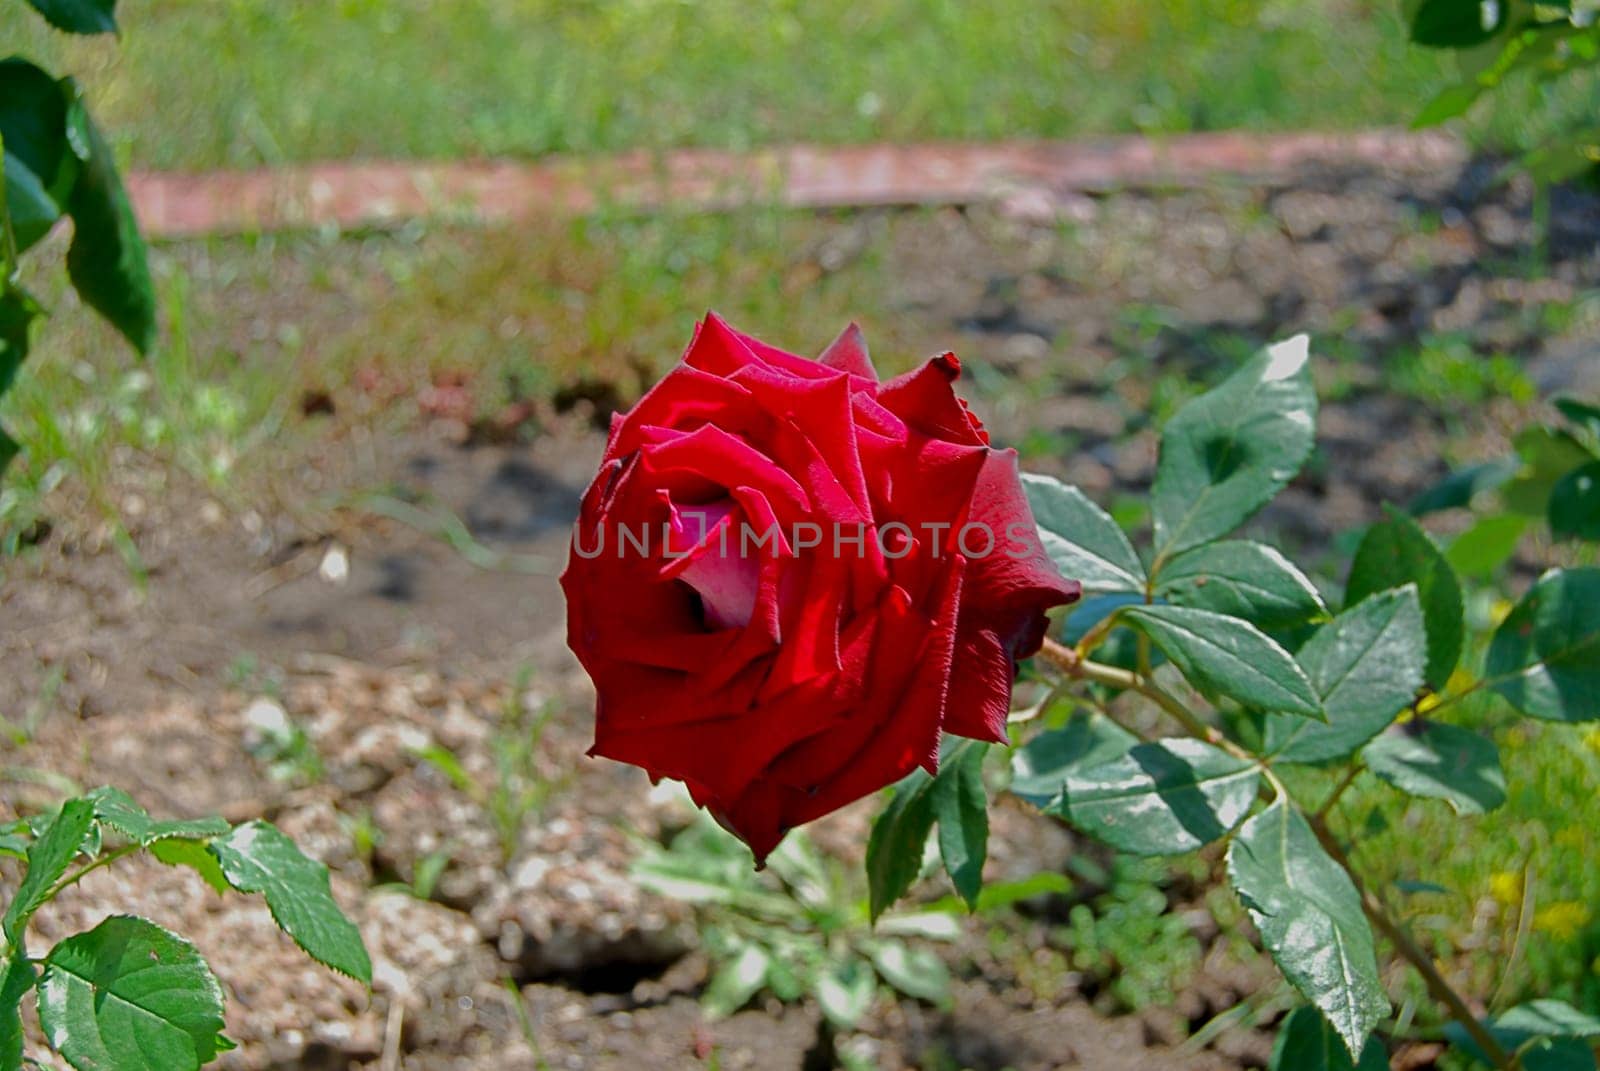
pixel 195 85
pixel 254 324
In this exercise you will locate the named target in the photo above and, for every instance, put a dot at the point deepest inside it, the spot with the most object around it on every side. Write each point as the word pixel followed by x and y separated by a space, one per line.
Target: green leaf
pixel 1310 918
pixel 1081 538
pixel 1245 580
pixel 1226 656
pixel 107 260
pixel 1366 664
pixel 1040 767
pixel 16 978
pixel 17 313
pixel 1439 761
pixel 844 992
pixel 258 858
pixel 1230 450
pixel 916 972
pixel 117 811
pixel 194 854
pixel 79 16
pixel 1546 455
pixel 933 922
pixel 1548 648
pixel 1307 1043
pixel 1548 1018
pixel 129 996
pixel 8 451
pixel 961 807
pixel 48 859
pixel 40 167
pixel 1456 23
pixel 1448 103
pixel 1457 490
pixel 1575 504
pixel 899 835
pixel 1002 894
pixel 1162 798
pixel 1397 552
pixel 1487 545
pixel 1549 1035
pixel 736 981
pixel 1581 413
pixel 33 210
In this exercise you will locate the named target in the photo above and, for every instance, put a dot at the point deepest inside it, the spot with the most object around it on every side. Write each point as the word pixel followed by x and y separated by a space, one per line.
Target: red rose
pixel 789 577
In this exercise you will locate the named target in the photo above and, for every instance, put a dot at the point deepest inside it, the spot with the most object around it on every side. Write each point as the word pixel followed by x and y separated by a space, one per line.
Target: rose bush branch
pixel 782 684
pixel 1075 666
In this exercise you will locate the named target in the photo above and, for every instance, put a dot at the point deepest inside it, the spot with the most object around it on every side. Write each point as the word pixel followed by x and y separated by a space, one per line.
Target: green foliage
pixel 1161 798
pixel 55 163
pixel 961 810
pixel 610 75
pixel 1364 691
pixel 1311 920
pixel 1306 1042
pixel 1081 538
pixel 1440 761
pixel 1243 579
pixel 1225 454
pixel 1548 1035
pixel 128 995
pixel 79 16
pixel 1229 657
pixel 1545 657
pixel 258 858
pixel 954 798
pixel 1546 42
pixel 1366 667
pixel 1397 552
pixel 1040 768
pixel 1575 504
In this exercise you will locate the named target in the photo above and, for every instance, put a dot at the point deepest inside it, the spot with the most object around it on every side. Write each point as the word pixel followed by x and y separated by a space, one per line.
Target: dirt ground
pixel 377 630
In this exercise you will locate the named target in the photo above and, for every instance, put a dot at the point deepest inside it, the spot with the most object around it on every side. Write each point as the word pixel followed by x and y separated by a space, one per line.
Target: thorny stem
pixel 1075 665
pixel 83 872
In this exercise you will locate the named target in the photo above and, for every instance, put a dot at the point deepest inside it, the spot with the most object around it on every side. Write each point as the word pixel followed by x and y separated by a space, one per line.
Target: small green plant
pixel 518 790
pixel 802 928
pixel 129 995
pixel 796 930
